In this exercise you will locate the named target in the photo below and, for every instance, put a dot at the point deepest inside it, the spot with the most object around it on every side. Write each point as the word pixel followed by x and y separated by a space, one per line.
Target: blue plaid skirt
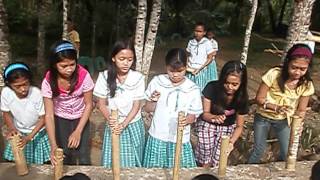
pixel 37 151
pixel 206 75
pixel 160 154
pixel 132 141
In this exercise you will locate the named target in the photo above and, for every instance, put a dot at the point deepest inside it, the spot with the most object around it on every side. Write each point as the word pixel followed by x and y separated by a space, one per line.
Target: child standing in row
pixel 213 66
pixel 284 91
pixel 225 102
pixel 167 95
pixel 67 91
pixel 200 51
pixel 121 88
pixel 23 113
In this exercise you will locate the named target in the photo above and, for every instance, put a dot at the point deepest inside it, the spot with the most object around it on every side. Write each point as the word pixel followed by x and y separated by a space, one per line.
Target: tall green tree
pixel 43 9
pixel 149 41
pixel 300 22
pixel 244 54
pixel 5 54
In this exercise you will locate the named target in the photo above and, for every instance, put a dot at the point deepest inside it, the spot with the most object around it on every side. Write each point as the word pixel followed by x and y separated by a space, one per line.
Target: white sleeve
pixel 209 47
pixel 188 49
pixel 151 87
pixel 139 92
pixel 101 87
pixel 41 107
pixel 196 103
pixel 215 45
pixel 5 99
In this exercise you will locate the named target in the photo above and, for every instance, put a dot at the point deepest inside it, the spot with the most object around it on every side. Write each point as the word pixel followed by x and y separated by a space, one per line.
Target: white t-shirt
pixel 25 111
pixel 186 97
pixel 214 44
pixel 199 52
pixel 132 89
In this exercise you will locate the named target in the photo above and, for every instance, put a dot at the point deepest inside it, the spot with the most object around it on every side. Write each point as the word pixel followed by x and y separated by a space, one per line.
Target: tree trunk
pixel 42 14
pixel 64 21
pixel 283 8
pixel 4 57
pixel 300 22
pixel 271 15
pixel 151 36
pixel 140 32
pixel 244 53
pixel 5 54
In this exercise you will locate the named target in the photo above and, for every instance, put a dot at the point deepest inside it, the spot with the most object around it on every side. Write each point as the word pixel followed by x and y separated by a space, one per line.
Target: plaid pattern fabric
pixel 160 154
pixel 209 138
pixel 132 141
pixel 206 75
pixel 37 151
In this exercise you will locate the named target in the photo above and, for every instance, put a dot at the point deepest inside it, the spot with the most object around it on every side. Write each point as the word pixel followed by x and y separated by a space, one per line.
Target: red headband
pixel 302 51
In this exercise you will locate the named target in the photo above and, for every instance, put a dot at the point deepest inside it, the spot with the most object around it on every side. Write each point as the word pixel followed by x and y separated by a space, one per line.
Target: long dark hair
pixel 58 56
pixel 284 75
pixel 15 71
pixel 241 95
pixel 176 58
pixel 111 66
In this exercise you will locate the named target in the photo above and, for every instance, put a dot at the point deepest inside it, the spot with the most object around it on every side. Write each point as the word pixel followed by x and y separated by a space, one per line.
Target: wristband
pixel 265 104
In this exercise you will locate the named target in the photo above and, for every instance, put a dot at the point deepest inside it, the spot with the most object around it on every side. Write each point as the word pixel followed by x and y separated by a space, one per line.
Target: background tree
pixel 149 42
pixel 43 9
pixel 4 44
pixel 64 21
pixel 140 32
pixel 244 54
pixel 300 22
pixel 4 56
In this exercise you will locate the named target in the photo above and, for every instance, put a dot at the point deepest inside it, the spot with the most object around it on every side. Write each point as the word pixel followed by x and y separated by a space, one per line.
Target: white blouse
pixel 186 97
pixel 130 90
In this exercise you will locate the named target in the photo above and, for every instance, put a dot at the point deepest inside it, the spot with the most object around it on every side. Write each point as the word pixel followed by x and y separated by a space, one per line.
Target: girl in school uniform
pixel 23 113
pixel 200 50
pixel 167 95
pixel 121 88
pixel 225 103
pixel 67 91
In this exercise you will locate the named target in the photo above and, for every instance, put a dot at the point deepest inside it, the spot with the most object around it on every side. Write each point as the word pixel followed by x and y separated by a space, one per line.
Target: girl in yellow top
pixel 284 91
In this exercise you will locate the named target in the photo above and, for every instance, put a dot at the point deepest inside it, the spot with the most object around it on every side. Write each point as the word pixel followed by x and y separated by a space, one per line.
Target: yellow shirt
pixel 290 97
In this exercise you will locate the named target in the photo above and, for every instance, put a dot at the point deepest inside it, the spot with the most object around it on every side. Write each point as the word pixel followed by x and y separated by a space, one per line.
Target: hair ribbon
pixel 14 67
pixel 63 47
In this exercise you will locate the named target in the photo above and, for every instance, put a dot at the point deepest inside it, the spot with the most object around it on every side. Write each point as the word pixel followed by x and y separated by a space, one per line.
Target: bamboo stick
pixel 176 166
pixel 58 169
pixel 293 143
pixel 223 160
pixel 20 160
pixel 115 149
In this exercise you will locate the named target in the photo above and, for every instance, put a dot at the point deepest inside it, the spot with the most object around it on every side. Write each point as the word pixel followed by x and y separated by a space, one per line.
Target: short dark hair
pixel 315 171
pixel 205 177
pixel 176 58
pixel 201 24
pixel 77 176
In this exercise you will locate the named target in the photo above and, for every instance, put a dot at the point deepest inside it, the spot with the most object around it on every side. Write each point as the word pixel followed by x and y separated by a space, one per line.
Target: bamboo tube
pixel 293 143
pixel 176 166
pixel 115 149
pixel 20 160
pixel 223 160
pixel 58 169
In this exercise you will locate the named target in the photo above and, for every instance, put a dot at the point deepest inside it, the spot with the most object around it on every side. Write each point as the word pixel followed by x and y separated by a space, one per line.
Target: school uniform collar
pixel 195 44
pixel 187 86
pixel 131 82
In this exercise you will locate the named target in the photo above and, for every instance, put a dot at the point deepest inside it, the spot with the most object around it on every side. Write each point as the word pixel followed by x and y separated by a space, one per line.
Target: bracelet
pixel 265 104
